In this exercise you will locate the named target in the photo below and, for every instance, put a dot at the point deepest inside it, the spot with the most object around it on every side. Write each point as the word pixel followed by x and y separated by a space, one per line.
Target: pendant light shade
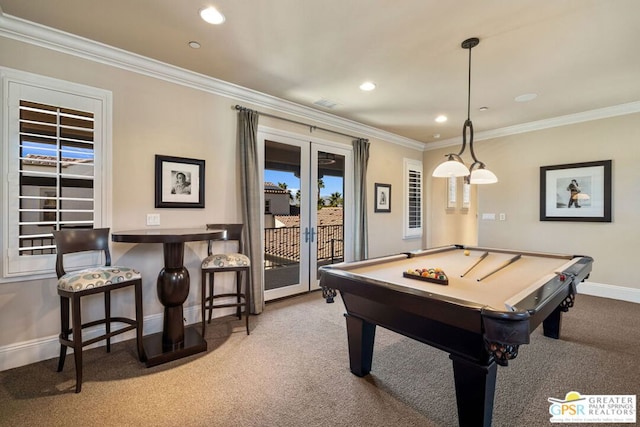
pixel 454 166
pixel 482 176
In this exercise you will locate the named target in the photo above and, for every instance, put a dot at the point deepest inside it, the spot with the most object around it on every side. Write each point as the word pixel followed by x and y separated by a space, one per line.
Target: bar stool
pixel 74 285
pixel 236 262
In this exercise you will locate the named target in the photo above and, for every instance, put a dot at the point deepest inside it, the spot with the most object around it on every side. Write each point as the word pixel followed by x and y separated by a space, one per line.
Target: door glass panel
pixel 281 215
pixel 304 212
pixel 330 209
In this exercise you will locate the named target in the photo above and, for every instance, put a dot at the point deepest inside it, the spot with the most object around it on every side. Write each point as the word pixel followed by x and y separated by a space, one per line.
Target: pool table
pixel 492 302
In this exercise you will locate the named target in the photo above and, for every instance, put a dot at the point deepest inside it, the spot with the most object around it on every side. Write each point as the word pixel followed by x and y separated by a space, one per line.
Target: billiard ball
pixel 466 252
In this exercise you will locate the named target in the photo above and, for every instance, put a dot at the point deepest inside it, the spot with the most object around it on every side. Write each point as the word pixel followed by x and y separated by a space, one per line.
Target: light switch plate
pixel 153 219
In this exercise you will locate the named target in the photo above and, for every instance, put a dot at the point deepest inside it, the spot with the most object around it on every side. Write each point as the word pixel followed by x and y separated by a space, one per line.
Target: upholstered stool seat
pixel 74 285
pixel 226 262
pixel 95 277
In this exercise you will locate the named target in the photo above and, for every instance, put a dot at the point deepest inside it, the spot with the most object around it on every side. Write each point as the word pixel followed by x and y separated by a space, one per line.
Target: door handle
pixel 309 235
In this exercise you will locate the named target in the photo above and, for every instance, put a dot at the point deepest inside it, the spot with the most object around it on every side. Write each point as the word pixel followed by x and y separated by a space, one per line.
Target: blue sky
pixel 40 149
pixel 332 184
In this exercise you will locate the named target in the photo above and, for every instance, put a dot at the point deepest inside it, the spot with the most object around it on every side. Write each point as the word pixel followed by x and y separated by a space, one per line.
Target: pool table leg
pixel 360 334
pixel 475 389
pixel 551 325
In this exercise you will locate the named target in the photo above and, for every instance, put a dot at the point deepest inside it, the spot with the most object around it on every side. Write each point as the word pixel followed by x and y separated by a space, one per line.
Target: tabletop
pixel 166 235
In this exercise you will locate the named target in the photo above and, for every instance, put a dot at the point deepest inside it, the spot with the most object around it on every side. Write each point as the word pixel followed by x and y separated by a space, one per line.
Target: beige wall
pixel 517 159
pixel 386 166
pixel 153 116
pixel 446 226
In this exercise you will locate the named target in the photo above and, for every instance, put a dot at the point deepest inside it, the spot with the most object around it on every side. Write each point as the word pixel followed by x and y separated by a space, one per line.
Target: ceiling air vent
pixel 326 103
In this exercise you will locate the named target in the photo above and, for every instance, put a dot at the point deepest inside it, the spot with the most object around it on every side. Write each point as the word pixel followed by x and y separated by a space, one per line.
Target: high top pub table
pixel 175 341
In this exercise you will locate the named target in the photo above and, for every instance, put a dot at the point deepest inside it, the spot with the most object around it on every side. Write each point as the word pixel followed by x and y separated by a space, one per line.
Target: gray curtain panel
pixel 360 161
pixel 251 209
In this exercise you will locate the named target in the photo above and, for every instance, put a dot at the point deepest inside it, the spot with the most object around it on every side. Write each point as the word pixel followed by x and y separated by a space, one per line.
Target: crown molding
pixel 569 119
pixel 50 38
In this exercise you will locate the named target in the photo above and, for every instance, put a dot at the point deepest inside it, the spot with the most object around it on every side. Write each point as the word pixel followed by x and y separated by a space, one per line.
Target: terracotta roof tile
pixel 270 187
pixel 326 216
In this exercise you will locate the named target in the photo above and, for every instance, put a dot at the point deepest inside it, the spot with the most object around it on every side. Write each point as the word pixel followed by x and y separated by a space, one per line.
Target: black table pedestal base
pixel 156 354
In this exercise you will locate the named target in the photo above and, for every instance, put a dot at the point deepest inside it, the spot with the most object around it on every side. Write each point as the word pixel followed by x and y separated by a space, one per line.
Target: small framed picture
pixel 382 198
pixel 179 182
pixel 576 192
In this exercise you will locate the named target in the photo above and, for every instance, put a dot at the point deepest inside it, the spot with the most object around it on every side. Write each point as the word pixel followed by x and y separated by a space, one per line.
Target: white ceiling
pixel 576 55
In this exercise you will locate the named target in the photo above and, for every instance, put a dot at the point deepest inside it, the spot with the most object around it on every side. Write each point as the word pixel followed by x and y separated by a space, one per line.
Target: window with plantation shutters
pixel 56 173
pixel 413 199
pixel 55 149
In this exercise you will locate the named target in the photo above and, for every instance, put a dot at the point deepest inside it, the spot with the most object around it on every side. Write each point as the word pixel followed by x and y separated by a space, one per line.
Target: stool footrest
pixel 241 295
pixel 241 304
pixel 132 326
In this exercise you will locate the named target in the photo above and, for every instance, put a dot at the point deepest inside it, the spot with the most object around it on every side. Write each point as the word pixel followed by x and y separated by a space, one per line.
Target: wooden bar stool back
pixel 74 285
pixel 236 262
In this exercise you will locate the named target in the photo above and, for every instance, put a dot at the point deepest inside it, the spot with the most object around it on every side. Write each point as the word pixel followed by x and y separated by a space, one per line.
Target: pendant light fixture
pixel 454 166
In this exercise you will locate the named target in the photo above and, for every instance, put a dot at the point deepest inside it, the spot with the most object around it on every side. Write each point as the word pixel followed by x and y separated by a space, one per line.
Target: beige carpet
pixel 293 370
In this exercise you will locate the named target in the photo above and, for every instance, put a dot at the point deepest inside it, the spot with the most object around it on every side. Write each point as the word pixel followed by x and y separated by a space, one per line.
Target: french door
pixel 307 198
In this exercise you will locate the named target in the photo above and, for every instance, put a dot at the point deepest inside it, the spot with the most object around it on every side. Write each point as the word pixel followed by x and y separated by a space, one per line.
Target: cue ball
pixel 466 253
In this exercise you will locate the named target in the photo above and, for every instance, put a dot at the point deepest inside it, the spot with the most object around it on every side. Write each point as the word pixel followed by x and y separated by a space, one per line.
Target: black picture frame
pixel 179 182
pixel 576 192
pixel 382 198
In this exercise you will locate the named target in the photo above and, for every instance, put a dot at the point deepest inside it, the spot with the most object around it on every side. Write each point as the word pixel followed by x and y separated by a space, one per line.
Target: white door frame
pixel 310 145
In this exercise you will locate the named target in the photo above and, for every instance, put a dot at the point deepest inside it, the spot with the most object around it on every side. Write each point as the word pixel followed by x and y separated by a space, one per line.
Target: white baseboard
pixel 609 291
pixel 27 352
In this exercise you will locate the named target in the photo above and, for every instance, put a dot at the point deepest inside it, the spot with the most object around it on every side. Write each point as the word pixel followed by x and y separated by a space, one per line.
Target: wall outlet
pixel 503 217
pixel 153 219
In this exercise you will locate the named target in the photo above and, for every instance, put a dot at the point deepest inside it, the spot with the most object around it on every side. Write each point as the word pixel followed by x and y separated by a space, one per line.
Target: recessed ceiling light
pixel 367 86
pixel 526 97
pixel 436 135
pixel 483 108
pixel 212 16
pixel 194 44
pixel 441 118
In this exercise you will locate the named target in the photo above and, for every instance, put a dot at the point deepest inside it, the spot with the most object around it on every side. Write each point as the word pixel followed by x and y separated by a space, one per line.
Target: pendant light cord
pixel 467 123
pixel 469 89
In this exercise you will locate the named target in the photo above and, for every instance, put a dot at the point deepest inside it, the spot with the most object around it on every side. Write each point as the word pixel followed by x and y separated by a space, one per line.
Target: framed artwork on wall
pixel 382 198
pixel 576 192
pixel 179 182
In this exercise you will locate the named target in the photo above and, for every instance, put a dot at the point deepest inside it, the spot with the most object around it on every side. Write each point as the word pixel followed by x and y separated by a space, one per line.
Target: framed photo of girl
pixel 179 182
pixel 576 192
